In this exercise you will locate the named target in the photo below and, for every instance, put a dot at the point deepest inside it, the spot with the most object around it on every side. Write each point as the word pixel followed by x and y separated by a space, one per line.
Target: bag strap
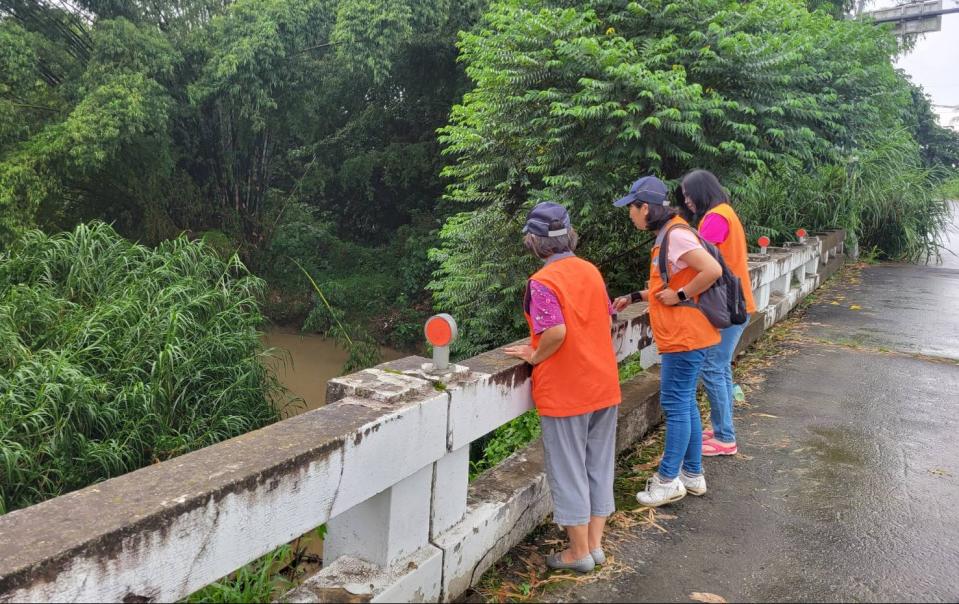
pixel 663 242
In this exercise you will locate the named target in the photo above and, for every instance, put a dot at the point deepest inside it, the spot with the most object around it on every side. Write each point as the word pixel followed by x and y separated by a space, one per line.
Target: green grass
pixel 950 188
pixel 630 368
pixel 884 197
pixel 114 356
pixel 506 440
pixel 259 581
pixel 263 580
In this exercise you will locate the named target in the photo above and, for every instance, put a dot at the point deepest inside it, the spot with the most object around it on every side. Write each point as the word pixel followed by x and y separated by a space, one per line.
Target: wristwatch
pixel 682 295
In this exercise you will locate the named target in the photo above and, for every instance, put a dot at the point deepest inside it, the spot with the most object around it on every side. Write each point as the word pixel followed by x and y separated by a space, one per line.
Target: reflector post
pixel 440 331
pixel 763 244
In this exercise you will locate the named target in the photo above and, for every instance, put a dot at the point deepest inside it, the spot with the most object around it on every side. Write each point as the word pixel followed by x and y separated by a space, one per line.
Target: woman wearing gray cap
pixel 575 383
pixel 682 333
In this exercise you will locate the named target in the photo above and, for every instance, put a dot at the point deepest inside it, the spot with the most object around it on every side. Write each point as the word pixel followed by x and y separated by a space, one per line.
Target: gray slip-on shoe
pixel 583 565
pixel 599 556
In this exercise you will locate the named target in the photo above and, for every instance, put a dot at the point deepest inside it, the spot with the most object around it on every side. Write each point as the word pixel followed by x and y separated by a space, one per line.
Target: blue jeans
pixel 718 379
pixel 679 375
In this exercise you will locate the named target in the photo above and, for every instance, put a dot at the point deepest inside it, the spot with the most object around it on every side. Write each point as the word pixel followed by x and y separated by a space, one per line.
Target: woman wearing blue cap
pixel 682 333
pixel 575 384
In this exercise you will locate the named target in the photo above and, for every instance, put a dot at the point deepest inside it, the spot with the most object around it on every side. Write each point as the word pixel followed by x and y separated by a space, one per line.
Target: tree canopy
pixel 307 130
pixel 573 100
pixel 175 115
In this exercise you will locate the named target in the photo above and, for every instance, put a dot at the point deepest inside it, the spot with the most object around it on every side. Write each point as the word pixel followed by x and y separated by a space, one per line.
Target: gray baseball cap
pixel 544 216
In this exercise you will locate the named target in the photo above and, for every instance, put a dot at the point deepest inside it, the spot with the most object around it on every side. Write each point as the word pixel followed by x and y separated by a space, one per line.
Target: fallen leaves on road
pixel 940 472
pixel 855 307
pixel 530 579
pixel 767 415
pixel 706 597
pixel 642 517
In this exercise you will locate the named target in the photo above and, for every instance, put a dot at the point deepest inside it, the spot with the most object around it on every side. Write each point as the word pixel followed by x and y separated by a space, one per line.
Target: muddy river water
pixel 305 362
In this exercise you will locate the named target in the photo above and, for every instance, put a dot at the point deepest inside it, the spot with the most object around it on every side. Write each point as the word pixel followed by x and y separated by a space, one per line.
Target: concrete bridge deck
pixel 846 486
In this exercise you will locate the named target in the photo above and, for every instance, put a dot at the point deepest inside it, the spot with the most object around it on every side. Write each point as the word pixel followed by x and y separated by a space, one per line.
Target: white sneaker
pixel 659 493
pixel 695 485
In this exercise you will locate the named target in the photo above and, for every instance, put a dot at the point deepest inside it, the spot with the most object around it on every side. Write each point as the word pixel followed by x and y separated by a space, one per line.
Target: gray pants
pixel 580 464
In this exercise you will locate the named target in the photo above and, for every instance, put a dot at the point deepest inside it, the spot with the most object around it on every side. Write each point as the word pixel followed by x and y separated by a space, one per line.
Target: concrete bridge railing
pixel 385 465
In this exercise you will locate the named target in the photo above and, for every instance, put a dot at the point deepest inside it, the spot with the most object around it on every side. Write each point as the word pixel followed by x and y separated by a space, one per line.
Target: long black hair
pixel 704 189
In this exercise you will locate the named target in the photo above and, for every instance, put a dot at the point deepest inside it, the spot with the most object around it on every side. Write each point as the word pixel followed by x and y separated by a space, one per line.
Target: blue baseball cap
pixel 544 216
pixel 647 189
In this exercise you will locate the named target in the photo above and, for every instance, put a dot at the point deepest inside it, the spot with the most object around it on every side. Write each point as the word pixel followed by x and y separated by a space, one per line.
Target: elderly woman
pixel 575 384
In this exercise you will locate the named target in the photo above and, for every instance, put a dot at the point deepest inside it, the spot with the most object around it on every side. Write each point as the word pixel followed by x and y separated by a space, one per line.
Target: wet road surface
pixel 847 486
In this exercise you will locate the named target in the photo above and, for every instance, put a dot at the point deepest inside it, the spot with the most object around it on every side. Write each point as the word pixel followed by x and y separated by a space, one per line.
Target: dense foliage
pixel 285 128
pixel 575 99
pixel 301 134
pixel 950 189
pixel 115 355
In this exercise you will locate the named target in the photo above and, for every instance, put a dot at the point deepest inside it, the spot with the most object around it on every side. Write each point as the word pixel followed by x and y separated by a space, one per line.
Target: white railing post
pixel 386 527
pixel 450 486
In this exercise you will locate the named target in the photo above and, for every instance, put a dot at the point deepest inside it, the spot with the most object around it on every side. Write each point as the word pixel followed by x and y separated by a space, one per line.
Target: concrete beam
pixel 390 525
pixel 415 578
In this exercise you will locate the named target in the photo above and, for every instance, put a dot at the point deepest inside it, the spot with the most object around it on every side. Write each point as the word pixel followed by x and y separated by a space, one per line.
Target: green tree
pixel 214 115
pixel 283 128
pixel 575 99
pixel 939 146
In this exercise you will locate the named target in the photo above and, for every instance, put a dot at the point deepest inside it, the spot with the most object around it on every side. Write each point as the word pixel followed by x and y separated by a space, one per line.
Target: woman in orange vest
pixel 719 224
pixel 575 383
pixel 683 335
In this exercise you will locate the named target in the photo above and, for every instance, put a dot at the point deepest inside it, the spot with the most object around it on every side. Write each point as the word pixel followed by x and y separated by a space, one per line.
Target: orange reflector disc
pixel 764 242
pixel 439 332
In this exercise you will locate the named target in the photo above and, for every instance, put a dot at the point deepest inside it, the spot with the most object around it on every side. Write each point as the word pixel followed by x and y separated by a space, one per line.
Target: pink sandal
pixel 715 448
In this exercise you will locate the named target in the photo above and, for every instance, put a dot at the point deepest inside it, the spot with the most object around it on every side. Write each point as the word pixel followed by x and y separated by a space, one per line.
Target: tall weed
pixel 114 356
pixel 883 196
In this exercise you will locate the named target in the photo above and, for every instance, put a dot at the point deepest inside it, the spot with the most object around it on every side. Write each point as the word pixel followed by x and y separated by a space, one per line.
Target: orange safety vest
pixel 582 376
pixel 734 250
pixel 677 328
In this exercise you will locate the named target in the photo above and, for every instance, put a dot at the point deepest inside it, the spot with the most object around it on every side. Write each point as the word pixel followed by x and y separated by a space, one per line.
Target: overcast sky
pixel 934 63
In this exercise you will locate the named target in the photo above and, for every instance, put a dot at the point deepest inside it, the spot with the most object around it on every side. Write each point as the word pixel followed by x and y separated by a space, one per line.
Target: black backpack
pixel 723 303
